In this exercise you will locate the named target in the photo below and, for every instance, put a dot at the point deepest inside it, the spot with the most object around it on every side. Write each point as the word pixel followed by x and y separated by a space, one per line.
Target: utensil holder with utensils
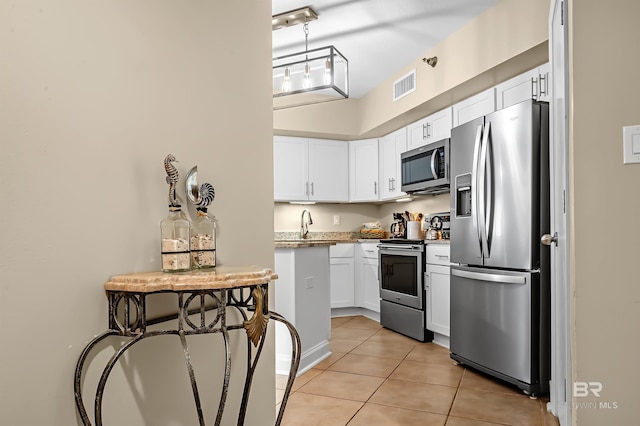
pixel 414 230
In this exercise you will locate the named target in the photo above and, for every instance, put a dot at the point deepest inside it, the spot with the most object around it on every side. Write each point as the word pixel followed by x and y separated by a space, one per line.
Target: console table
pixel 203 299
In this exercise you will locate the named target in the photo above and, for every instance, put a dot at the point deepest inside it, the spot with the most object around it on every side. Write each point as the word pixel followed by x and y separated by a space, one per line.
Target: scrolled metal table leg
pixel 296 349
pixel 112 362
pixel 227 376
pixel 77 383
pixel 192 376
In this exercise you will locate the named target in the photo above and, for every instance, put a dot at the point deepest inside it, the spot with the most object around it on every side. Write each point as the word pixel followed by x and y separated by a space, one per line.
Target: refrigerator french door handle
pixel 494 278
pixel 485 183
pixel 434 156
pixel 474 186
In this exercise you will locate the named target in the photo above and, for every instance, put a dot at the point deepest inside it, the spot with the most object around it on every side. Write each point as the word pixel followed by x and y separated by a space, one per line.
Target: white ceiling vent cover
pixel 404 85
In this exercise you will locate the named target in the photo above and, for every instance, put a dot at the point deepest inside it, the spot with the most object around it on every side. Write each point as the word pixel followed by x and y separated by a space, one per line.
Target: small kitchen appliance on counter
pixel 439 226
pixel 399 226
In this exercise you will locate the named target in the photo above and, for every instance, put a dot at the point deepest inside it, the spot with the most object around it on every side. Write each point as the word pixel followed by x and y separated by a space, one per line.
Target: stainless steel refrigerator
pixel 500 296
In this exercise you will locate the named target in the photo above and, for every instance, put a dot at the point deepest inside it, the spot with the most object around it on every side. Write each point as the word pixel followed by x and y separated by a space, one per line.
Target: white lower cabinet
pixel 437 286
pixel 342 275
pixel 367 288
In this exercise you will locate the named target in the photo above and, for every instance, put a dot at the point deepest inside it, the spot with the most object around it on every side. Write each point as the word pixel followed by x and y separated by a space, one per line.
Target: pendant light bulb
pixel 286 83
pixel 307 76
pixel 327 72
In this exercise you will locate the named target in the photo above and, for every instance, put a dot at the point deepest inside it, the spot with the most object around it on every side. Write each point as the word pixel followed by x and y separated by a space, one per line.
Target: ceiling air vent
pixel 404 85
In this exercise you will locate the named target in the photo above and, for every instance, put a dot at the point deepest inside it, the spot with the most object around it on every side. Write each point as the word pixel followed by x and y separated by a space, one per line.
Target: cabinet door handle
pixel 544 78
pixel 534 89
pixel 311 188
pixel 306 188
pixel 428 130
pixel 424 131
pixel 442 256
pixel 375 188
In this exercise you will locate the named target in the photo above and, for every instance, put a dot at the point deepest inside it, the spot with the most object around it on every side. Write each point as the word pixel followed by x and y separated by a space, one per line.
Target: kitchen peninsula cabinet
pixel 310 169
pixel 533 84
pixel 302 296
pixel 363 170
pixel 391 146
pixel 474 107
pixel 433 128
pixel 437 286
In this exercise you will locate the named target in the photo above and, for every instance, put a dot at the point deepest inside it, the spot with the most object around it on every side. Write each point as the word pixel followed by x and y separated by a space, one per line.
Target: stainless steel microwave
pixel 425 170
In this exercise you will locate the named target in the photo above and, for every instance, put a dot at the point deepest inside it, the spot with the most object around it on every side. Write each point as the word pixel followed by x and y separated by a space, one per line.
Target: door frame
pixel 561 335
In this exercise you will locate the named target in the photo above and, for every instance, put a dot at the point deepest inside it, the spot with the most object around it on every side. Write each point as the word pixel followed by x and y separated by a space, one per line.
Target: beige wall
pixel 93 95
pixel 606 306
pixel 505 40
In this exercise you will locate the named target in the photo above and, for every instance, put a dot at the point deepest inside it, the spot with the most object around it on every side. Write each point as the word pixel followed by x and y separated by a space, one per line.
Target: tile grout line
pixel 383 382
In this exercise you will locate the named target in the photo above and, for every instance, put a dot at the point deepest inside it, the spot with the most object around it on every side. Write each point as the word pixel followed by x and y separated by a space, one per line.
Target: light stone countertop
pixel 304 243
pixel 319 242
pixel 220 277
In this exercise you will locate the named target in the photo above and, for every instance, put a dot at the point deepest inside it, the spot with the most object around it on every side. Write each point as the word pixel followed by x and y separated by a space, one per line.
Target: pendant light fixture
pixel 308 77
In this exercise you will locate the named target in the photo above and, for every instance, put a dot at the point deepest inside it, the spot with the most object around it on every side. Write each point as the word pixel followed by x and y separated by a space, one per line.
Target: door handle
pixel 475 218
pixel 494 278
pixel 433 164
pixel 485 186
pixel 547 239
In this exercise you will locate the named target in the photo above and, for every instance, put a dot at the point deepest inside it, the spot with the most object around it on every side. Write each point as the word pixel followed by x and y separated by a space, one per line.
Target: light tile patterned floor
pixel 377 377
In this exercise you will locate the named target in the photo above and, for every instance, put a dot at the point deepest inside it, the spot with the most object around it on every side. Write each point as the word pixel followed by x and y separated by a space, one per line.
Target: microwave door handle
pixel 485 187
pixel 474 186
pixel 434 173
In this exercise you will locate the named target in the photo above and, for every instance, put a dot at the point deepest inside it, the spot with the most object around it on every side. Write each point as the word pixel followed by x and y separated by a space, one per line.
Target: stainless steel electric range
pixel 402 292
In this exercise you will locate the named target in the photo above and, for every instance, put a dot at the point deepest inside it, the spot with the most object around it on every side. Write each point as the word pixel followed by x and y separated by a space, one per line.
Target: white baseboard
pixel 441 339
pixel 308 359
pixel 350 312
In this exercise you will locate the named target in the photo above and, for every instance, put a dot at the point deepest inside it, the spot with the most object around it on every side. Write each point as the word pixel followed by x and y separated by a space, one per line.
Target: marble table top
pixel 221 277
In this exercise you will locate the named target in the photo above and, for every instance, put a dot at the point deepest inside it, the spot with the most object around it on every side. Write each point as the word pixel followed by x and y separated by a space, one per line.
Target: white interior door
pixel 561 383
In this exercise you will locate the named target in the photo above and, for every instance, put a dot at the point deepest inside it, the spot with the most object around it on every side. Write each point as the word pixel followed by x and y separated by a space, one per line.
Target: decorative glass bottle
pixel 203 241
pixel 175 241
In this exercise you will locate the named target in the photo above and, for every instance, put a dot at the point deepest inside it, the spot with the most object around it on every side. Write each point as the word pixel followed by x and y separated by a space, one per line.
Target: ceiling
pixel 378 37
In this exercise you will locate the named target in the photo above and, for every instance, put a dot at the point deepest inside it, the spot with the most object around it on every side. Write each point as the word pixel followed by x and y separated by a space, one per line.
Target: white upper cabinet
pixel 391 146
pixel 310 169
pixel 328 170
pixel 363 170
pixel 433 128
pixel 533 84
pixel 290 168
pixel 474 107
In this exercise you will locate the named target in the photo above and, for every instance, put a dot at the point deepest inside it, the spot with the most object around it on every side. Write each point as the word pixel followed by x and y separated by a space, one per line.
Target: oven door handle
pixel 405 249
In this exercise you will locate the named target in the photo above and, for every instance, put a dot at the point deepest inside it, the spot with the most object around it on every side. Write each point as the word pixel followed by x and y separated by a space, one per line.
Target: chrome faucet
pixel 304 226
